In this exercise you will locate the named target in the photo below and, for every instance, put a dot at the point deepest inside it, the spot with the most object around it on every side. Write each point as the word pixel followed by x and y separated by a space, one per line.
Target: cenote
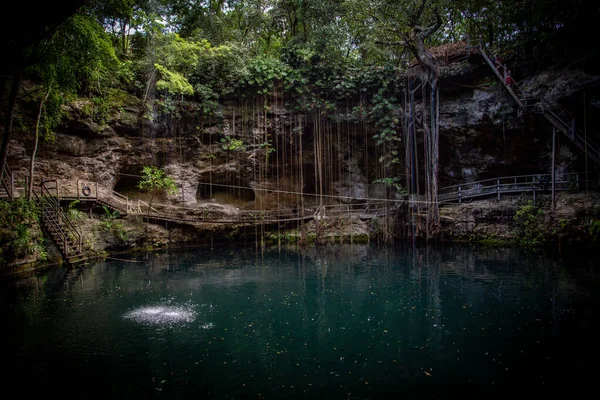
pixel 338 321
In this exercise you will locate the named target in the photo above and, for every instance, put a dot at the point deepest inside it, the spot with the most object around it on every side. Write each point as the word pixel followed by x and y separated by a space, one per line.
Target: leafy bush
pixel 229 144
pixel 109 223
pixel 261 74
pixel 530 224
pixel 17 219
pixel 73 214
pixel 594 229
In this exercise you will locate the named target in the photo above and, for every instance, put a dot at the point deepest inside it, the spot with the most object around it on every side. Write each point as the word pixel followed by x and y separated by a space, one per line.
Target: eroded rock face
pixel 481 136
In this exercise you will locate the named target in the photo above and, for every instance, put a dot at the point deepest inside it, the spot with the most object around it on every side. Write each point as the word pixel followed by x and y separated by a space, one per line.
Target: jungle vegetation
pixel 320 53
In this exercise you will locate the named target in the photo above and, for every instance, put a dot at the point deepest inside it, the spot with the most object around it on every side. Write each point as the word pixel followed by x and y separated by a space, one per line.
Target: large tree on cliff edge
pixel 406 25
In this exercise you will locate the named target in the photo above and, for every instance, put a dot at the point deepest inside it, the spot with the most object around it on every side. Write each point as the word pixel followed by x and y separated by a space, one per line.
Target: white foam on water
pixel 161 315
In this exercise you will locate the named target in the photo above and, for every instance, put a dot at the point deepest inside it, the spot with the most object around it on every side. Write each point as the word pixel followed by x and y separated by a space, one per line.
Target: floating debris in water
pixel 161 315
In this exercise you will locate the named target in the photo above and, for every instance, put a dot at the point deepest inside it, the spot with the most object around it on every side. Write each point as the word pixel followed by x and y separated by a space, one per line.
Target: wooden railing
pixel 508 185
pixel 114 199
pixel 527 103
pixel 8 182
pixel 584 143
pixel 64 233
pixel 500 76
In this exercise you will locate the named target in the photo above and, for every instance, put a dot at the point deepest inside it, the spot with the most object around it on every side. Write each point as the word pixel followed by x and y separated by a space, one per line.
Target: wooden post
pixel 459 195
pixel 12 186
pixel 498 188
pixel 77 189
pixel 553 163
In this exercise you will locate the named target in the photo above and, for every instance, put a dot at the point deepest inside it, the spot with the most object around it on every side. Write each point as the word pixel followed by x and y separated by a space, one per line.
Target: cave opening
pixel 225 194
pixel 128 186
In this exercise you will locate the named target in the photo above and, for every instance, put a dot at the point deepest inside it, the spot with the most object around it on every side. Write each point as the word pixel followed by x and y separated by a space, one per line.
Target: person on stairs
pixel 508 78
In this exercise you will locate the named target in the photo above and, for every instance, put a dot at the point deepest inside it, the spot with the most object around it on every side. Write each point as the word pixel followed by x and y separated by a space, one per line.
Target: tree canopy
pixel 319 51
pixel 207 48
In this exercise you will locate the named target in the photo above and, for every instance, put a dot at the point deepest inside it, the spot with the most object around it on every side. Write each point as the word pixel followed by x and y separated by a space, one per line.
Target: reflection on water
pixel 351 321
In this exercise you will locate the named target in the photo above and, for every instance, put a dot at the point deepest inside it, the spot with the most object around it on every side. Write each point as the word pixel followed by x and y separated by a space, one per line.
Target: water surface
pixel 343 321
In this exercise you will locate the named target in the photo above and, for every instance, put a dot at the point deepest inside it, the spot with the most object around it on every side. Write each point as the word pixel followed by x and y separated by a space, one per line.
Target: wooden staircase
pixel 540 106
pixel 57 225
pixel 7 183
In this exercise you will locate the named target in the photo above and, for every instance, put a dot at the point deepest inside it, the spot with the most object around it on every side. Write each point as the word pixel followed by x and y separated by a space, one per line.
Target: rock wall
pixel 245 155
pixel 481 136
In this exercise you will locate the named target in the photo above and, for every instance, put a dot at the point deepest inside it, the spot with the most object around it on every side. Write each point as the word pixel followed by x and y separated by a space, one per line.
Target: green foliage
pixel 208 98
pixel 530 224
pixel 268 147
pixel 17 220
pixel 100 109
pixel 73 213
pixel 172 82
pixel 261 74
pixel 110 223
pixel 393 183
pixel 594 229
pixel 231 144
pixel 52 115
pixel 79 56
pixel 178 54
pixel 384 116
pixel 154 180
pixel 219 68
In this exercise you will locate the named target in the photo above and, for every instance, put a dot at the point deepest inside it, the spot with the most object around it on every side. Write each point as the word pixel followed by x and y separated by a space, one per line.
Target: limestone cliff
pixel 245 154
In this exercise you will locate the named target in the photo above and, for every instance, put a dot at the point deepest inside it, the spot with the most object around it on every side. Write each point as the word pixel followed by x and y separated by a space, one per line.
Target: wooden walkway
pixel 537 105
pixel 497 187
pixel 85 191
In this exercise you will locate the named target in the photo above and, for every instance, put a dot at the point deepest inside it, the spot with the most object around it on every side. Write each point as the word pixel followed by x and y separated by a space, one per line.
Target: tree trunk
pixel 2 89
pixel 36 140
pixel 434 213
pixel 150 205
pixel 12 101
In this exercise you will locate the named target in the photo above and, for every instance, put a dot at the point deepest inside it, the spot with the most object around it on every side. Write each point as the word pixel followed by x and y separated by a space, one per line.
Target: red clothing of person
pixel 509 80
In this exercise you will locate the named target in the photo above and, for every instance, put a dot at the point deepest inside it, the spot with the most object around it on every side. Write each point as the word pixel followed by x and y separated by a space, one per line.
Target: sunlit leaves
pixel 155 181
pixel 172 82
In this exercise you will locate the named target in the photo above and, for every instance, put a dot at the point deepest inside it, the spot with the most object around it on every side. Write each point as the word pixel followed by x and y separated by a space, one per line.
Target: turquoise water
pixel 343 321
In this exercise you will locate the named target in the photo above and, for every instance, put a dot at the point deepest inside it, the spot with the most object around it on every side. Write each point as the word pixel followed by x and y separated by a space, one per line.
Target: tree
pixel 15 45
pixel 405 24
pixel 155 181
pixel 78 57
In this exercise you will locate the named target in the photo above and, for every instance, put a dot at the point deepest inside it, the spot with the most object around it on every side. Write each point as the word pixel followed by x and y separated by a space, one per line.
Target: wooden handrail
pixel 500 77
pixel 48 199
pixel 8 181
pixel 511 184
pixel 593 150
